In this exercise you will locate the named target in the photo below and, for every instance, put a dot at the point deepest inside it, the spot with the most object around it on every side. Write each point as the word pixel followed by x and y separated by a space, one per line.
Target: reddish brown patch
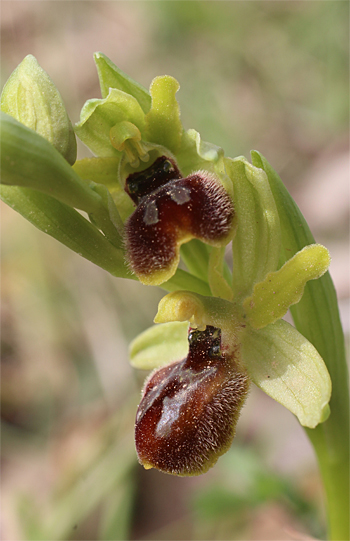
pixel 189 409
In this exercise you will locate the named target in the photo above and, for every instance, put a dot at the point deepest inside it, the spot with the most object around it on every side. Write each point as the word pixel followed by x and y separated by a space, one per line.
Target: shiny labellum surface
pixel 145 182
pixel 189 409
pixel 193 207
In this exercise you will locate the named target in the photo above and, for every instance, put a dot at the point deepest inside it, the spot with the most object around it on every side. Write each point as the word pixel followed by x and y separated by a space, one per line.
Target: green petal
pixel 31 97
pixel 272 297
pixel 257 243
pixel 163 120
pixel 67 226
pixel 288 368
pixel 112 77
pixel 159 345
pixel 97 117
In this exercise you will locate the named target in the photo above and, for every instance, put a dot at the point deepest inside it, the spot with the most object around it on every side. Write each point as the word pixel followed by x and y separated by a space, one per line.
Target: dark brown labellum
pixel 172 211
pixel 188 412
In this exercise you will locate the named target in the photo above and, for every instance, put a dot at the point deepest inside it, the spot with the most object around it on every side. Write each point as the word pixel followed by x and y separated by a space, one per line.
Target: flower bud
pixel 187 416
pixel 31 97
pixel 171 211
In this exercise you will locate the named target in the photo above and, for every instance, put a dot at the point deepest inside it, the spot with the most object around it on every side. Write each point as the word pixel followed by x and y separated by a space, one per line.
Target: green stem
pixel 316 316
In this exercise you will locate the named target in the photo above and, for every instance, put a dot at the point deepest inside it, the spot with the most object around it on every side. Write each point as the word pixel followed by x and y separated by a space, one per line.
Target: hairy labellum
pixel 172 211
pixel 188 412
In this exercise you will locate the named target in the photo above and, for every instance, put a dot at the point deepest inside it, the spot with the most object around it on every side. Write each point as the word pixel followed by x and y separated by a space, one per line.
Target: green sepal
pixel 105 171
pixel 66 225
pixel 159 345
pixel 287 367
pixel 29 160
pixel 112 77
pixel 163 120
pixel 257 243
pixel 279 290
pixel 98 116
pixel 31 97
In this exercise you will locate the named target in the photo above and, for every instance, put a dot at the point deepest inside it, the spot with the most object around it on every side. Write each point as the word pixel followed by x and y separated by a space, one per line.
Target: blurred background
pixel 271 76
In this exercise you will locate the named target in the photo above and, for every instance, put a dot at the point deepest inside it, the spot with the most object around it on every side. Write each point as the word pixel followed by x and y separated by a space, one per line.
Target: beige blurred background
pixel 271 76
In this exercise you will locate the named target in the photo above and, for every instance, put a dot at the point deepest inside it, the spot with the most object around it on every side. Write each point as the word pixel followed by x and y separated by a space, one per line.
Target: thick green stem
pixel 316 316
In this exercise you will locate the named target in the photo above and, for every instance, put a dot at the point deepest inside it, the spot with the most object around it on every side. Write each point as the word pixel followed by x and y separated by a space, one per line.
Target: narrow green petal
pixel 257 243
pixel 288 368
pixel 67 226
pixel 163 120
pixel 273 296
pixel 159 345
pixel 112 77
pixel 31 97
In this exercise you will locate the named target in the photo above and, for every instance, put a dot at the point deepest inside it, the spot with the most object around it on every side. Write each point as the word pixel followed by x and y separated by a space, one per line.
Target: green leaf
pixel 159 345
pixel 112 77
pixel 29 160
pixel 288 368
pixel 67 226
pixel 257 243
pixel 273 296
pixel 31 97
pixel 163 120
